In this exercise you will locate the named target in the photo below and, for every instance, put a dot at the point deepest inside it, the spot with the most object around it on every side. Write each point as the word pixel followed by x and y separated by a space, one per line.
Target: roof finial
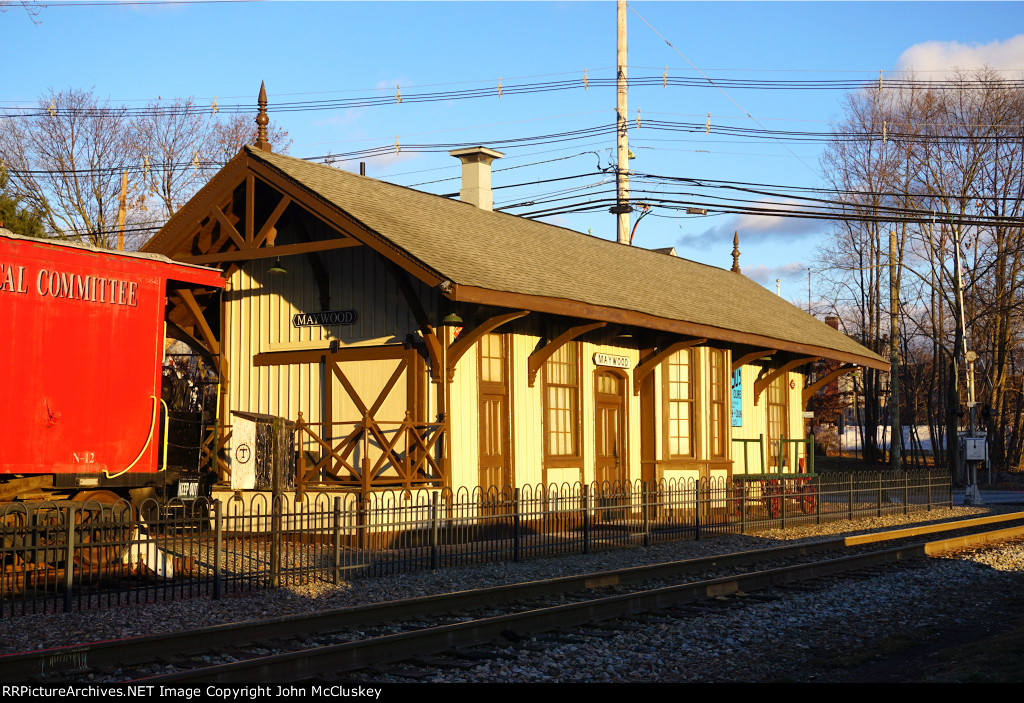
pixel 262 121
pixel 735 252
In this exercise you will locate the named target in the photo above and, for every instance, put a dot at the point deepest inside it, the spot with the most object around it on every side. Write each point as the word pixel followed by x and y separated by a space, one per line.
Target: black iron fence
pixel 67 556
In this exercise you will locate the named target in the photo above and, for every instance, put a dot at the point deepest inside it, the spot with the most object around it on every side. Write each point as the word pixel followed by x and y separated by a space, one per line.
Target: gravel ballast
pixel 811 635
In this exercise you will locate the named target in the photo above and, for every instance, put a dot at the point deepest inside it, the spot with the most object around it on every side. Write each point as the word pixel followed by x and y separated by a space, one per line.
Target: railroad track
pixel 354 638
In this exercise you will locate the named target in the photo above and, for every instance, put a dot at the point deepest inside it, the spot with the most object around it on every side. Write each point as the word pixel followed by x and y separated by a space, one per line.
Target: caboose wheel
pixel 102 525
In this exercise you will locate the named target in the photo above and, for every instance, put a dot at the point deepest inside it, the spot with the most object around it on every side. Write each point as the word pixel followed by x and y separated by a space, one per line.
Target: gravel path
pixel 806 636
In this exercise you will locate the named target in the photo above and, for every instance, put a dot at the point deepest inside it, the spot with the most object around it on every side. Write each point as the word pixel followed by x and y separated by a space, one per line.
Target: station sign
pixel 613 360
pixel 324 318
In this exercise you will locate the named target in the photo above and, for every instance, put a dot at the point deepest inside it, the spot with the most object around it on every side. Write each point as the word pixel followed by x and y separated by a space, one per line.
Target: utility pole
pixel 621 209
pixel 896 435
pixel 121 210
pixel 969 447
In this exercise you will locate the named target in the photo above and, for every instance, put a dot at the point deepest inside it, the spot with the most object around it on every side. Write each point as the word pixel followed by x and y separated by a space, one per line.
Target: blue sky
pixel 321 50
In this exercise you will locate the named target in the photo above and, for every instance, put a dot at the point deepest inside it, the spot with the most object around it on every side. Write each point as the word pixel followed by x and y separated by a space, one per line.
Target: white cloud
pixel 557 220
pixel 377 164
pixel 755 228
pixel 1006 55
pixel 789 275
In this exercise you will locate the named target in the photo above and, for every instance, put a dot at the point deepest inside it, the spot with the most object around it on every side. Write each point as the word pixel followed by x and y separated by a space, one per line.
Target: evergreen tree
pixel 16 218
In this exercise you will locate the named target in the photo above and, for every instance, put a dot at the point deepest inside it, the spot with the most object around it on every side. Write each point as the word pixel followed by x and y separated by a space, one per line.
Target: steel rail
pixel 334 659
pixel 136 650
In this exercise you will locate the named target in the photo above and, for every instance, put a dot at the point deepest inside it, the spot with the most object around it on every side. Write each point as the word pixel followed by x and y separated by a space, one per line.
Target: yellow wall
pixel 260 307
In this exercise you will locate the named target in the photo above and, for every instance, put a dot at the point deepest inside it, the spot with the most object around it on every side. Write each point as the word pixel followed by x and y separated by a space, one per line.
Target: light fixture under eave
pixel 451 320
pixel 277 267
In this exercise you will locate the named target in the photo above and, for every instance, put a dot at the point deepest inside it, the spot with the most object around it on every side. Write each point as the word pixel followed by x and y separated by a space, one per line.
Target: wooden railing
pixel 406 459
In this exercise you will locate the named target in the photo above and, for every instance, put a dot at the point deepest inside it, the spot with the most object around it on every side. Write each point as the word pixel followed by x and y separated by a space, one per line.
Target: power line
pixel 398 97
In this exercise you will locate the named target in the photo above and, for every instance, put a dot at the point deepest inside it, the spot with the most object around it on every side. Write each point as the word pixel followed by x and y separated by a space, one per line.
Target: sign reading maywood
pixel 327 317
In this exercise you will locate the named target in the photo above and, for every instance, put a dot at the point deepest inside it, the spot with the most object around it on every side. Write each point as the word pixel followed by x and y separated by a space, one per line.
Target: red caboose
pixel 82 333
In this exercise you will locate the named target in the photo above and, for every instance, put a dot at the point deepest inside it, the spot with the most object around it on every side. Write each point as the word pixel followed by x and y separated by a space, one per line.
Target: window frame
pixel 574 457
pixel 691 401
pixel 720 407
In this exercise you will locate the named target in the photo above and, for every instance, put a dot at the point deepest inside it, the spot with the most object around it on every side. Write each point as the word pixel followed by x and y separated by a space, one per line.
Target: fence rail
pixel 70 556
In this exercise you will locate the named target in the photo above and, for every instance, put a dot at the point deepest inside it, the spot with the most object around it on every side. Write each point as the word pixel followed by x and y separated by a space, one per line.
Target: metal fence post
pixel 696 510
pixel 218 535
pixel 928 488
pixel 336 577
pixel 586 519
pixel 906 492
pixel 782 499
pixel 435 533
pixel 517 526
pixel 69 568
pixel 849 500
pixel 819 491
pixel 646 511
pixel 879 509
pixel 275 541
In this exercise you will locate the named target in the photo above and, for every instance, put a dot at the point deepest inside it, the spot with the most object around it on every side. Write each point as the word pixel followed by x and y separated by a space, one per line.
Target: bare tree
pixel 232 133
pixel 949 162
pixel 66 162
pixel 181 146
pixel 175 145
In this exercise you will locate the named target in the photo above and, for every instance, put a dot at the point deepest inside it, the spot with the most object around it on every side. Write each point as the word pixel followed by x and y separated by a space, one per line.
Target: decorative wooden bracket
pixel 822 382
pixel 764 382
pixel 540 356
pixel 268 232
pixel 646 367
pixel 207 334
pixel 402 280
pixel 468 338
pixel 752 356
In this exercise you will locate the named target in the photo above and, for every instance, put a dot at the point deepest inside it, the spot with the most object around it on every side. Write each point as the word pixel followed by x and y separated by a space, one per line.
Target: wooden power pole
pixel 121 210
pixel 621 208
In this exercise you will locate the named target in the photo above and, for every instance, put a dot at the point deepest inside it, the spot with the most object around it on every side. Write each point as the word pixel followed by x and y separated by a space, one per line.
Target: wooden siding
pixel 259 309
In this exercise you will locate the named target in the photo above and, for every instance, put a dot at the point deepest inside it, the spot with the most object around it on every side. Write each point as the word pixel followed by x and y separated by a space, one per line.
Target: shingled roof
pixel 537 263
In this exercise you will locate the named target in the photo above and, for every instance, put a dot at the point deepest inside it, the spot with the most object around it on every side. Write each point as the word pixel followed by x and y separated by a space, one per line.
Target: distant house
pixel 432 342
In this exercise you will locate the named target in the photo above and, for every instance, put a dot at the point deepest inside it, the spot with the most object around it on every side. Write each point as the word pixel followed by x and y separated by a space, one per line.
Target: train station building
pixel 421 341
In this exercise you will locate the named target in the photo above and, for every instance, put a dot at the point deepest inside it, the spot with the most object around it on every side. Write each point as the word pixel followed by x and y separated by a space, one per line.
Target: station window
pixel 562 402
pixel 717 396
pixel 680 400
pixel 777 416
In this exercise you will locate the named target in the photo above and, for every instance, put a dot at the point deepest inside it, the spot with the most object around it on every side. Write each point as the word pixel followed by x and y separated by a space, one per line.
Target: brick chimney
pixel 476 175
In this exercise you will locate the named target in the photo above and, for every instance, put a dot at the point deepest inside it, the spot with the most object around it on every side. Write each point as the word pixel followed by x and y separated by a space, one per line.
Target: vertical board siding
pixel 465 421
pixel 258 318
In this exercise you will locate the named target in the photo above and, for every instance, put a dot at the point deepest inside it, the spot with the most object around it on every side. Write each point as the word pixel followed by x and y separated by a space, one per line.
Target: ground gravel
pixel 804 636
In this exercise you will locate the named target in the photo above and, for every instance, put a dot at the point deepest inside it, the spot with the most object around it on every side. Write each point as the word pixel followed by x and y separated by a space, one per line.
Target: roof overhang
pixel 573 308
